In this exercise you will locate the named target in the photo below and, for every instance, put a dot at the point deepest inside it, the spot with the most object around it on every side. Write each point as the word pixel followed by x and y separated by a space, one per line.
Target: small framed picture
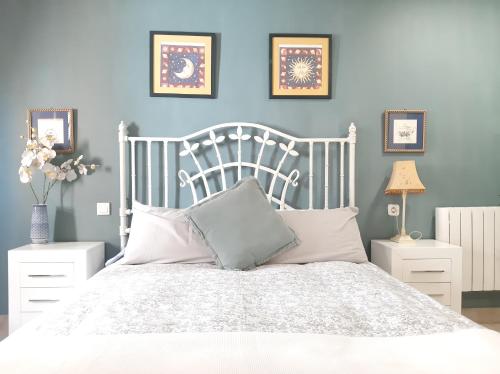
pixel 300 66
pixel 182 64
pixel 404 130
pixel 55 122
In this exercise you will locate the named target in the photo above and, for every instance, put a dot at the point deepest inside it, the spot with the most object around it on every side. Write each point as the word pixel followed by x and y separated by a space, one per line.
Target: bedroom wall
pixel 93 55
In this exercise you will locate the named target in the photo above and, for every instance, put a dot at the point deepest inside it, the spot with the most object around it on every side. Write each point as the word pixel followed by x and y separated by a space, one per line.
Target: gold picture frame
pixel 404 130
pixel 58 122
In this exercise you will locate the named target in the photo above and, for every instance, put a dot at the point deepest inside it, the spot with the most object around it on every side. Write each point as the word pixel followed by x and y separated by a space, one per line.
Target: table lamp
pixel 404 180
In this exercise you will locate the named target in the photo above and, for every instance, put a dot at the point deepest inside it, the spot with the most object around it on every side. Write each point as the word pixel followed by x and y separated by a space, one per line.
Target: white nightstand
pixel 41 275
pixel 432 267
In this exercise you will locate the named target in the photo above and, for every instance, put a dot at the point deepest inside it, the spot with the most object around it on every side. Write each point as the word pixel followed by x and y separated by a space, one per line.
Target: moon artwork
pixel 300 67
pixel 182 66
pixel 187 70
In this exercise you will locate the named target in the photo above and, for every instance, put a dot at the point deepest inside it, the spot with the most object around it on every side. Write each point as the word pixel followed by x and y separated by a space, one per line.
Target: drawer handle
pixel 427 271
pixel 46 275
pixel 435 294
pixel 43 300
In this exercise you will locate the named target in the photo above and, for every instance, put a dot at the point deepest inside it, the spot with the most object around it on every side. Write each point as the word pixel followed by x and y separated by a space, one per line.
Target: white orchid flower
pixel 31 144
pixel 82 169
pixel 25 174
pixel 49 170
pixel 27 158
pixel 38 155
pixel 51 154
pixel 47 141
pixel 71 175
pixel 61 175
pixel 66 165
pixel 45 155
pixel 36 164
pixel 77 161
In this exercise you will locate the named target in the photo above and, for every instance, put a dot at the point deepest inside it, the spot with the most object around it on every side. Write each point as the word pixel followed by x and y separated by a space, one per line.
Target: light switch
pixel 103 209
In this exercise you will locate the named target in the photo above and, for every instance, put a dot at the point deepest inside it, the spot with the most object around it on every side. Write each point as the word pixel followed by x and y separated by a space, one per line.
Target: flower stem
pixel 44 181
pixel 34 193
pixel 49 187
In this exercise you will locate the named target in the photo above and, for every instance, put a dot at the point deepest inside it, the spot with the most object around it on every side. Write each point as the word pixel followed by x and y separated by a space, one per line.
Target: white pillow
pixel 162 235
pixel 325 235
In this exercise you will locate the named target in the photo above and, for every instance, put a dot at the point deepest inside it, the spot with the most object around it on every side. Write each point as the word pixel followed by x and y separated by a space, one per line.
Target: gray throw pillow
pixel 241 227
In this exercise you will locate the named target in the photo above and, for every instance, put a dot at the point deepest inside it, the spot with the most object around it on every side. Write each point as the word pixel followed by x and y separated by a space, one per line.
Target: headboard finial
pixel 122 132
pixel 352 133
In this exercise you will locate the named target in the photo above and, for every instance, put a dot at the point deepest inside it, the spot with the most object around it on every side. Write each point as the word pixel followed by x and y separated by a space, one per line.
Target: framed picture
pixel 56 122
pixel 300 66
pixel 404 130
pixel 182 64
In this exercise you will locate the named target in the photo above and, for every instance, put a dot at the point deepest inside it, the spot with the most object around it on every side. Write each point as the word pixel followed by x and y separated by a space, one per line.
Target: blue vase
pixel 39 224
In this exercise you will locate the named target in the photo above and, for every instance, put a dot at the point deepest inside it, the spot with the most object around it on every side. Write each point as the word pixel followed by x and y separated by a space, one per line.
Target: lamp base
pixel 406 239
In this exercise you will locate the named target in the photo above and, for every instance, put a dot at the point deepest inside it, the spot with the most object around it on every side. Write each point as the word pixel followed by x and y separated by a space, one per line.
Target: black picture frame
pixel 276 93
pixel 183 92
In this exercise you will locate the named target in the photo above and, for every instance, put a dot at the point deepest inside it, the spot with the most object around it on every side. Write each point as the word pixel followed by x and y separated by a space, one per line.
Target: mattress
pixel 339 298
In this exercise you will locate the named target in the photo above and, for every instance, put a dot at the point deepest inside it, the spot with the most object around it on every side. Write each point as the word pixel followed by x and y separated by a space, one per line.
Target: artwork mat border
pixel 303 39
pixel 210 64
pixel 71 135
pixel 387 113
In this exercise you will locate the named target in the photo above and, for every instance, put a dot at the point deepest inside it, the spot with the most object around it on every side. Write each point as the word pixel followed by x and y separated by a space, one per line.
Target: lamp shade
pixel 404 177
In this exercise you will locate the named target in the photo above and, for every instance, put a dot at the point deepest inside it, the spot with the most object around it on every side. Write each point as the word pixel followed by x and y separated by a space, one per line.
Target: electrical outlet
pixel 103 209
pixel 393 210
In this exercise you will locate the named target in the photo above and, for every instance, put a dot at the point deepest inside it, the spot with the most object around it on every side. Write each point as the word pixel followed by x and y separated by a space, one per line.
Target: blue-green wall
pixel 93 55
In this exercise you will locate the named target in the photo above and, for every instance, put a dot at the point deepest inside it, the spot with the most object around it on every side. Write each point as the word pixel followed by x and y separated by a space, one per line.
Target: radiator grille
pixel 477 231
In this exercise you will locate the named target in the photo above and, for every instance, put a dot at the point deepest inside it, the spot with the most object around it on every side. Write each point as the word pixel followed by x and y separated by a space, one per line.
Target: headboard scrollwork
pixel 223 154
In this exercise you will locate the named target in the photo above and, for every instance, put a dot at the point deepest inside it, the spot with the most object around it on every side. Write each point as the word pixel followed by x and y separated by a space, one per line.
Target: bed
pixel 319 317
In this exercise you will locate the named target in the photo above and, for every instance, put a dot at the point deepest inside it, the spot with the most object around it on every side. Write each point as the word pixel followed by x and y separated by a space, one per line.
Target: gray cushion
pixel 241 227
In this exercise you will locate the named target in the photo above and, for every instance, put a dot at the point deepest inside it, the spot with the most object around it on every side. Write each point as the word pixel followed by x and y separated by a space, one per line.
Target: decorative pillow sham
pixel 325 235
pixel 241 227
pixel 162 235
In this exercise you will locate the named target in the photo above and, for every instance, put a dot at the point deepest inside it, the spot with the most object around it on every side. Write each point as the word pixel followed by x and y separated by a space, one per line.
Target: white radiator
pixel 477 231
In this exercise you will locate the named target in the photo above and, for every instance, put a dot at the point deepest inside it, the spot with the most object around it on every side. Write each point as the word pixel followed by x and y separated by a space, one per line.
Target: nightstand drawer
pixel 26 317
pixel 431 266
pixel 41 275
pixel 438 291
pixel 40 299
pixel 47 274
pixel 427 270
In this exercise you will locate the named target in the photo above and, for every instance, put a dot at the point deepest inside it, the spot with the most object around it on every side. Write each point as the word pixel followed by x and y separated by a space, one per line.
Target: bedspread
pixel 320 298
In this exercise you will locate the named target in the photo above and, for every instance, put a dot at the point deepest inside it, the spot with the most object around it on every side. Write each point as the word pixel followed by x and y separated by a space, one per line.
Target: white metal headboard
pixel 212 138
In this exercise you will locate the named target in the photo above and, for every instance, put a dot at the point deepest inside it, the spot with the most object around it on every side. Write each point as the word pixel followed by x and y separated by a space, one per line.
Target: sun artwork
pixel 301 70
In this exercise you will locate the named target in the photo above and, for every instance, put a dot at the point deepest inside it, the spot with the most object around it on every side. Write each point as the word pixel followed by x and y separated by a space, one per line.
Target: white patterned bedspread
pixel 320 298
